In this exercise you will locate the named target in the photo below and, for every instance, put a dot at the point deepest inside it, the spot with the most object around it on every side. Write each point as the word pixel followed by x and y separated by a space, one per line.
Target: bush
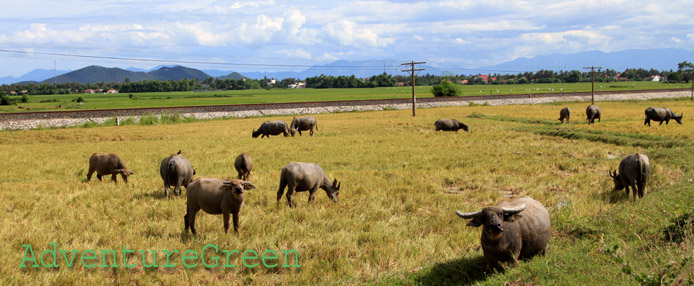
pixel 79 99
pixel 25 98
pixel 5 100
pixel 445 88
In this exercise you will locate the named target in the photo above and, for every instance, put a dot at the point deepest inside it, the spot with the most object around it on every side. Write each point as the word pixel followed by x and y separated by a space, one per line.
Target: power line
pixel 412 69
pixel 177 61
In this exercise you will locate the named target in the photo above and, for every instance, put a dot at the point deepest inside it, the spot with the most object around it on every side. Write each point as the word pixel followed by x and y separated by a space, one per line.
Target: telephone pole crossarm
pixel 592 82
pixel 412 70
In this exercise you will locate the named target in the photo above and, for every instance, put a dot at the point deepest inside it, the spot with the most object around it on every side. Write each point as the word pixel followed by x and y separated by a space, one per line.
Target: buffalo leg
pixel 114 178
pixel 290 193
pixel 98 177
pixel 177 189
pixel 280 191
pixel 89 175
pixel 235 217
pixel 226 221
pixel 166 190
pixel 312 195
pixel 192 212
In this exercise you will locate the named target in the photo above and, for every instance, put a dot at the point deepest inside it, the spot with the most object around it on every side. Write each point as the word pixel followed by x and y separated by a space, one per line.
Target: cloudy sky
pixel 290 35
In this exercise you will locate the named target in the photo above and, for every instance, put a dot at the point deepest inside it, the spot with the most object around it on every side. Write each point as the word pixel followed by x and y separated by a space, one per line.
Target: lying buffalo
pixel 176 171
pixel 512 230
pixel 593 112
pixel 215 196
pixel 299 177
pixel 243 166
pixel 564 114
pixel 661 114
pixel 303 124
pixel 108 164
pixel 633 172
pixel 449 125
pixel 271 128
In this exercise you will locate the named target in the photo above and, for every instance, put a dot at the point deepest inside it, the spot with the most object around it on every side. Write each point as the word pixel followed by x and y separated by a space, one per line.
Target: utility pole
pixel 412 69
pixel 592 82
pixel 692 71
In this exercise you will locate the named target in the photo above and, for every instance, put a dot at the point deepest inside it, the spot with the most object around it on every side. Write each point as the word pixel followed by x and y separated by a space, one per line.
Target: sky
pixel 270 35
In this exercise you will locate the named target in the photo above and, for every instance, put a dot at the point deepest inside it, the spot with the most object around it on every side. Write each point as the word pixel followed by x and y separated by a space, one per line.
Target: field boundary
pixel 51 119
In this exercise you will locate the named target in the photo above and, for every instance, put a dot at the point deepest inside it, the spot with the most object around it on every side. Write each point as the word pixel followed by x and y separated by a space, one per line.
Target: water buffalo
pixel 633 172
pixel 512 230
pixel 108 164
pixel 243 165
pixel 449 125
pixel 303 124
pixel 564 113
pixel 301 177
pixel 661 114
pixel 176 171
pixel 593 112
pixel 271 128
pixel 215 196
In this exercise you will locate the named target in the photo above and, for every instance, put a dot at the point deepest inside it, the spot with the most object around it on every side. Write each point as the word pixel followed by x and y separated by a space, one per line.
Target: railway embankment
pixel 33 120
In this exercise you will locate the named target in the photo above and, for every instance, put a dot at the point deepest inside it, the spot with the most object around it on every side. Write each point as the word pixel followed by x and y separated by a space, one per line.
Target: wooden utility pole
pixel 592 82
pixel 412 69
pixel 692 71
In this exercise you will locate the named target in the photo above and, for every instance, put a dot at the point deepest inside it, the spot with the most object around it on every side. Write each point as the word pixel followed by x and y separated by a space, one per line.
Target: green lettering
pixel 296 258
pixel 125 257
pixel 168 255
pixel 69 263
pixel 27 249
pixel 52 252
pixel 215 258
pixel 85 257
pixel 274 256
pixel 185 256
pixel 103 258
pixel 154 259
pixel 226 263
pixel 244 257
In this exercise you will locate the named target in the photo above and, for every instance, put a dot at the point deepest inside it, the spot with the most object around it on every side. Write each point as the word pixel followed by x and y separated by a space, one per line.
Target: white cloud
pixel 676 40
pixel 348 33
pixel 298 53
pixel 417 37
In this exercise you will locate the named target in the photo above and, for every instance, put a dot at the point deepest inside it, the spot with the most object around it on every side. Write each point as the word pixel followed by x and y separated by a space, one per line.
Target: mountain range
pixel 659 59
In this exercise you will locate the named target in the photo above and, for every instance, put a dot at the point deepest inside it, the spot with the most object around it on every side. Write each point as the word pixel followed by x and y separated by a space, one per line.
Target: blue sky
pixel 466 34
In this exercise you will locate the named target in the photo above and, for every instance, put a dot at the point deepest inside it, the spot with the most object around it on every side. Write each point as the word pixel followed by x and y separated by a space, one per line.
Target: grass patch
pixel 395 222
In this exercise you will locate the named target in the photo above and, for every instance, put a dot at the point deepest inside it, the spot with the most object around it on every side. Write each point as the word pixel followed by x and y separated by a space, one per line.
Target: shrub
pixel 79 99
pixel 25 98
pixel 445 88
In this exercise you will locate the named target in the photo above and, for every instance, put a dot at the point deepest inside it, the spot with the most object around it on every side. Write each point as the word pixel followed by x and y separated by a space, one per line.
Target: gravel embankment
pixel 30 120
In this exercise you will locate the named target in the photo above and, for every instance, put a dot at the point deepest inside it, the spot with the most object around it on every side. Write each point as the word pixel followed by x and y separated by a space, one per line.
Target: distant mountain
pixel 359 69
pixel 177 73
pixel 93 74
pixel 35 75
pixel 233 75
pixel 659 59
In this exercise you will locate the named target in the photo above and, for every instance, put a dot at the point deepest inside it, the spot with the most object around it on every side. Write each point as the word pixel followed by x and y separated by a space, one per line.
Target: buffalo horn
pixel 514 210
pixel 468 215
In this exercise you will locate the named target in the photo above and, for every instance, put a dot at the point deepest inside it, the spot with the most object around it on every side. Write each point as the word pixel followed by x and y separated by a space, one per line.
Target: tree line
pixel 329 81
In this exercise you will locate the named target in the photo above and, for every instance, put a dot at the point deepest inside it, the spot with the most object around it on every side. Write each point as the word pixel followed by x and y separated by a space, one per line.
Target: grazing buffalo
pixel 512 230
pixel 215 196
pixel 176 171
pixel 303 124
pixel 593 112
pixel 271 128
pixel 633 172
pixel 108 164
pixel 565 113
pixel 243 165
pixel 299 177
pixel 661 114
pixel 449 125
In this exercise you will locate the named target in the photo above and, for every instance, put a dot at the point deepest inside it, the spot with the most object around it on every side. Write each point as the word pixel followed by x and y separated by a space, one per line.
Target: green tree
pixel 445 88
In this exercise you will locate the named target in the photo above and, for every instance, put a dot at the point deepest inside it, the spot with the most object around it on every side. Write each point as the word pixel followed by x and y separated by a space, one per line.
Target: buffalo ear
pixel 248 185
pixel 512 218
pixel 475 222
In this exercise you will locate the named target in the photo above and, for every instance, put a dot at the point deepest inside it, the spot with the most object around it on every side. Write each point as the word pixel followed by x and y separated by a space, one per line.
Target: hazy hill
pixel 93 74
pixel 35 75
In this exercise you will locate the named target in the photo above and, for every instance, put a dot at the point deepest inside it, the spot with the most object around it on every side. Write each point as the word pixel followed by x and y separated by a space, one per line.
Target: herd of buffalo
pixel 512 230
